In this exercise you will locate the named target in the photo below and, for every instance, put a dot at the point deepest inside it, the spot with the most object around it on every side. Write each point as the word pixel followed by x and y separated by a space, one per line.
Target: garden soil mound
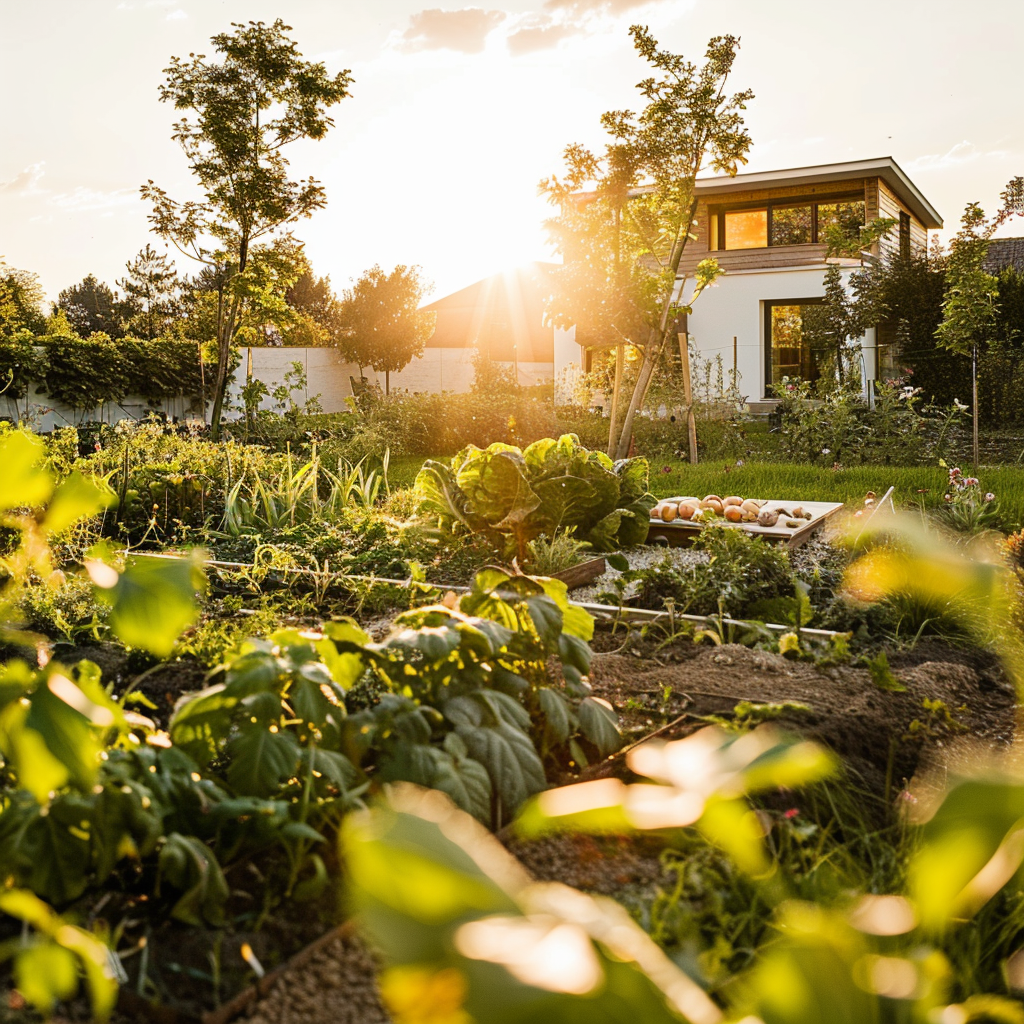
pixel 872 729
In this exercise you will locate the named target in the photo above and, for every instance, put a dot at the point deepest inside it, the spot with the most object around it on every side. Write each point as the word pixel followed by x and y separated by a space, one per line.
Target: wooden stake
pixel 620 356
pixel 691 424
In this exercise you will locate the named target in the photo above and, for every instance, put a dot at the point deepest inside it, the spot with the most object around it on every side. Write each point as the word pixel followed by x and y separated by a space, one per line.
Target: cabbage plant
pixel 514 495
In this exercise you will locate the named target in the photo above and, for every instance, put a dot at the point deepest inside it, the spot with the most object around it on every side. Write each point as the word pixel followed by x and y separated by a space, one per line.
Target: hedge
pixel 86 372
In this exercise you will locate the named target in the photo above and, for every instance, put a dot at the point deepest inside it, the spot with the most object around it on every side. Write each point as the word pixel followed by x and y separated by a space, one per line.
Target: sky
pixel 457 112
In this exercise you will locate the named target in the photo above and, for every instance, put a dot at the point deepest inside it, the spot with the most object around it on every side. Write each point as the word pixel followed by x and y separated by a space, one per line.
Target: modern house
pixel 767 230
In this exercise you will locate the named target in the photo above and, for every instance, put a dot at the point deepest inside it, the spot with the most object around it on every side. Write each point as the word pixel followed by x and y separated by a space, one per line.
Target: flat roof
pixel 882 167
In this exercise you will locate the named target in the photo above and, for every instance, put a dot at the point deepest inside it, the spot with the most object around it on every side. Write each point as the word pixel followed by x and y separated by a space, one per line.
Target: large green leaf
pixel 974 820
pixel 189 865
pixel 494 728
pixel 439 494
pixel 77 498
pixel 451 771
pixel 65 718
pixel 24 483
pixel 201 720
pixel 260 759
pixel 153 600
pixel 600 724
pixel 634 479
pixel 496 487
pixel 634 524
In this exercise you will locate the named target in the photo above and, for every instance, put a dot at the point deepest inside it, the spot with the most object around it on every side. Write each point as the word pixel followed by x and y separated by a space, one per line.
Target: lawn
pixel 815 483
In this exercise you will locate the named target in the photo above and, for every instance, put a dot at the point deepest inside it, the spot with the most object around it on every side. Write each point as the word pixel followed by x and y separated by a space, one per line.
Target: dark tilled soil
pixel 872 729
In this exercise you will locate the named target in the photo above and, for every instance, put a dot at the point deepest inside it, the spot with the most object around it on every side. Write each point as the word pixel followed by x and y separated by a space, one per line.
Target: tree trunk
pixel 656 340
pixel 974 403
pixel 387 382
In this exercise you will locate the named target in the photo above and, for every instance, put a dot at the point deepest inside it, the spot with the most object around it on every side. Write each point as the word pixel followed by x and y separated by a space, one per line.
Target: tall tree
pixel 623 242
pixel 21 302
pixel 969 312
pixel 151 290
pixel 380 321
pixel 249 105
pixel 91 306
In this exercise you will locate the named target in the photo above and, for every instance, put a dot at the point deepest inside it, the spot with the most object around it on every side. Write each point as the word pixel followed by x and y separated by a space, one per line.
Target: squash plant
pixel 512 495
pixel 457 698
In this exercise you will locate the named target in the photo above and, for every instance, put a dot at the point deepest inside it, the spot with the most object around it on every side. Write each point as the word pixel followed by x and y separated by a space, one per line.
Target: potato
pixel 733 499
pixel 713 503
pixel 751 506
pixel 793 523
pixel 733 513
pixel 712 497
pixel 668 513
pixel 686 509
pixel 749 517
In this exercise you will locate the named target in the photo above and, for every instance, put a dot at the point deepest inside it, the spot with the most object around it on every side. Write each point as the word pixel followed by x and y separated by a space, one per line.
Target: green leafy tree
pixel 260 97
pixel 970 309
pixel 623 242
pixel 380 321
pixel 21 302
pixel 151 290
pixel 91 307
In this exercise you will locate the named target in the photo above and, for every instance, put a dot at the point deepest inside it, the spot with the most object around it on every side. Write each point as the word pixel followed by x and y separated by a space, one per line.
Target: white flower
pixel 826 451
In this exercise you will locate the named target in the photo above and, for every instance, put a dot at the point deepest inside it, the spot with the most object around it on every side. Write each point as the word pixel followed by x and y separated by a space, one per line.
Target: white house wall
pixel 734 307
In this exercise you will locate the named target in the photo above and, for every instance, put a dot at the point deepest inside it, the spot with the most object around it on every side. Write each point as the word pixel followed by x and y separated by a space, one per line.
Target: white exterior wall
pixel 734 306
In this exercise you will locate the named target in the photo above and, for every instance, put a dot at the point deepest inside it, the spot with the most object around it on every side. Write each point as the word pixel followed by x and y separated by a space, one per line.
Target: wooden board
pixel 582 574
pixel 679 533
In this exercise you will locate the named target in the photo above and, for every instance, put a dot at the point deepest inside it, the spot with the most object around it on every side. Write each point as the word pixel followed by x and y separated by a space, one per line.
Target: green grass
pixel 798 482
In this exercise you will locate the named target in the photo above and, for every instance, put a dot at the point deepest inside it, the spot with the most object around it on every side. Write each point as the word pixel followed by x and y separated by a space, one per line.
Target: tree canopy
pixel 625 215
pixel 91 307
pixel 258 98
pixel 21 302
pixel 380 321
pixel 151 289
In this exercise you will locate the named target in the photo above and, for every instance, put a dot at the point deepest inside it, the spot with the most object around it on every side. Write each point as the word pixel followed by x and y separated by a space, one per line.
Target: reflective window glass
pixel 848 216
pixel 746 229
pixel 791 225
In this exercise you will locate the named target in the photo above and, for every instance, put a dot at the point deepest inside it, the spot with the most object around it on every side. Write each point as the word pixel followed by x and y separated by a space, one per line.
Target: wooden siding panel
pixel 738 260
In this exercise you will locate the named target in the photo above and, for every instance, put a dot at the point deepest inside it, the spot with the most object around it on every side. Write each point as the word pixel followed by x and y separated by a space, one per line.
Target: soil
pixel 870 728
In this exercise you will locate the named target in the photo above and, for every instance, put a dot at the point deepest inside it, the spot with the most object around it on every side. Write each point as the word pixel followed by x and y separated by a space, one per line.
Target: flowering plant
pixel 965 506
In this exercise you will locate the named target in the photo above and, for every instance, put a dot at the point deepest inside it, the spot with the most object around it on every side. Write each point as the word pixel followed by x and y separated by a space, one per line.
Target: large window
pixel 787 222
pixel 787 352
pixel 746 229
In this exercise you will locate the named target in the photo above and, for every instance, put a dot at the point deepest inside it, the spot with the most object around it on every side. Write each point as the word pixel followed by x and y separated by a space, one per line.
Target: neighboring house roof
pixel 502 315
pixel 882 167
pixel 1003 253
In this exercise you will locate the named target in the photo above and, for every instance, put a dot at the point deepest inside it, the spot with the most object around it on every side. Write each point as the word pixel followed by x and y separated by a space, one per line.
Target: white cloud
pixel 962 152
pixel 465 31
pixel 25 183
pixel 176 15
pixel 84 199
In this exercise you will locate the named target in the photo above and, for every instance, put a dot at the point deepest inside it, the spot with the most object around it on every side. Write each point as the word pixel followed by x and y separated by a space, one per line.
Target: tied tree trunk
pixel 387 382
pixel 657 338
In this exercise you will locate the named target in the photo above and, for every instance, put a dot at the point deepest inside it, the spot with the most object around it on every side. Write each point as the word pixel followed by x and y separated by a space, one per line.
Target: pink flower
pixel 990 496
pixel 971 481
pixel 948 497
pixel 791 813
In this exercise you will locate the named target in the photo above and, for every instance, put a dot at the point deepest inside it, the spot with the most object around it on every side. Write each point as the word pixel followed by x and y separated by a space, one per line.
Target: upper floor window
pixel 789 222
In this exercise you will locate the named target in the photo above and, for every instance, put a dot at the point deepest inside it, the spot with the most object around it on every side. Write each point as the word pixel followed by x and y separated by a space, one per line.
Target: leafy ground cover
pixel 177 777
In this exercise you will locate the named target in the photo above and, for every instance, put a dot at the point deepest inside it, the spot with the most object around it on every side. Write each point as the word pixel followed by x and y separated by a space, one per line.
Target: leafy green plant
pixel 48 957
pixel 513 496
